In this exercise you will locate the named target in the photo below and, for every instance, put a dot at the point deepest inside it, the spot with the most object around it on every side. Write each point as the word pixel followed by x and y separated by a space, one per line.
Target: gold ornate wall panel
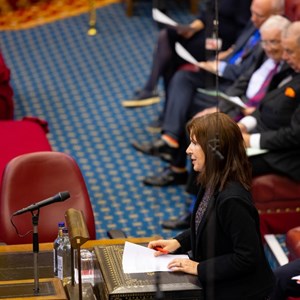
pixel 23 14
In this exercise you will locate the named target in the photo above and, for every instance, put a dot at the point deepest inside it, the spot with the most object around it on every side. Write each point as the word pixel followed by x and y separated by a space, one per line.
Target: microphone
pixel 62 196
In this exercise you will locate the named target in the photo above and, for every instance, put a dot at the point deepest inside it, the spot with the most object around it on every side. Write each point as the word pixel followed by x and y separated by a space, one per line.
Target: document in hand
pixel 233 100
pixel 184 54
pixel 162 18
pixel 255 151
pixel 297 278
pixel 140 259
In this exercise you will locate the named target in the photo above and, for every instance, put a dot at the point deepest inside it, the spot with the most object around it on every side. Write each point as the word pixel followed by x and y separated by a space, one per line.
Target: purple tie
pixel 254 101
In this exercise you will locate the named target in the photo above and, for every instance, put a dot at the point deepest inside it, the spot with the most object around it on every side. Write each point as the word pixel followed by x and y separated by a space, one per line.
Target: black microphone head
pixel 64 195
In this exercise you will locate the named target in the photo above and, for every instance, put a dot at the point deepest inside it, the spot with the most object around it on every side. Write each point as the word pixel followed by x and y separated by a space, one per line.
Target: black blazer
pixel 240 86
pixel 228 247
pixel 278 118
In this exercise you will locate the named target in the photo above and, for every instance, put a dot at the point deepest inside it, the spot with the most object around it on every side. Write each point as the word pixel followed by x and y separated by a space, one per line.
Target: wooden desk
pixel 16 261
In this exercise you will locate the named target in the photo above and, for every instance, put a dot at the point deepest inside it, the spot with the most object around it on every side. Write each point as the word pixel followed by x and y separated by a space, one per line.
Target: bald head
pixel 261 10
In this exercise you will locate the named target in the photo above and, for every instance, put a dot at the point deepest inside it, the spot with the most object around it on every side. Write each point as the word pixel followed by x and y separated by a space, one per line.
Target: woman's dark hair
pixel 219 129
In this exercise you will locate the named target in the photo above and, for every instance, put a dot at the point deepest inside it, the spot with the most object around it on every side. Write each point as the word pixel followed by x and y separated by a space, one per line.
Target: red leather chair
pixel 277 198
pixel 20 137
pixel 32 177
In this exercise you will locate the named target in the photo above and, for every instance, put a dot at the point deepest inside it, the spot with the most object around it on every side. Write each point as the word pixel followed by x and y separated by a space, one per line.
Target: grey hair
pixel 293 30
pixel 275 21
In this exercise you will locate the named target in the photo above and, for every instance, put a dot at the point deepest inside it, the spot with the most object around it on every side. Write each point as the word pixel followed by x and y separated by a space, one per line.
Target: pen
pixel 160 249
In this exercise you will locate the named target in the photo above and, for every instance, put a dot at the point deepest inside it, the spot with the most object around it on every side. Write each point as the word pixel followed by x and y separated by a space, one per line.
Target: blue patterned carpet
pixel 77 82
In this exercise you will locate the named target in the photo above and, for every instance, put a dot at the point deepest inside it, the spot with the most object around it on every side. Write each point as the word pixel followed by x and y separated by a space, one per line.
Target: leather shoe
pixel 157 148
pixel 177 224
pixel 167 177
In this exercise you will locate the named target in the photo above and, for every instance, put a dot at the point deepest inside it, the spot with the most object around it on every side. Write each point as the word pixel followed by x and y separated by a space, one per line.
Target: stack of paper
pixel 140 259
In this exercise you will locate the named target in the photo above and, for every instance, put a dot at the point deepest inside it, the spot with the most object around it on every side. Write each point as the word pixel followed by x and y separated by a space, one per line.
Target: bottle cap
pixel 61 224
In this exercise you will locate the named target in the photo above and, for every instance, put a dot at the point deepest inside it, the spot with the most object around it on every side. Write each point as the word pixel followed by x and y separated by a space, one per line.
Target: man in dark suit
pixel 275 124
pixel 182 93
pixel 166 61
pixel 286 287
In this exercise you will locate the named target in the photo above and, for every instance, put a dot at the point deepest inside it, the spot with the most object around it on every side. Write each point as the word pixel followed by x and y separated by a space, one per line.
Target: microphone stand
pixel 35 249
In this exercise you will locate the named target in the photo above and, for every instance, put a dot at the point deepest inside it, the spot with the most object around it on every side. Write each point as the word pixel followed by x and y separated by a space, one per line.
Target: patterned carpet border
pixel 45 12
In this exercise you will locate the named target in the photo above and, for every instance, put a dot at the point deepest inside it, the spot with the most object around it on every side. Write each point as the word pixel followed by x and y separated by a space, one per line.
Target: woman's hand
pixel 184 265
pixel 194 27
pixel 167 246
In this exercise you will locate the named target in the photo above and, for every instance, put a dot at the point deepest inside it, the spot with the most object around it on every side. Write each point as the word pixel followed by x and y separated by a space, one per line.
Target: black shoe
pixel 142 98
pixel 167 177
pixel 155 126
pixel 157 148
pixel 178 224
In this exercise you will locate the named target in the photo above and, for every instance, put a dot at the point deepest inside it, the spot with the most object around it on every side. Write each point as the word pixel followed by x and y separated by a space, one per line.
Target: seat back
pixel 292 9
pixel 30 178
pixel 273 192
pixel 277 198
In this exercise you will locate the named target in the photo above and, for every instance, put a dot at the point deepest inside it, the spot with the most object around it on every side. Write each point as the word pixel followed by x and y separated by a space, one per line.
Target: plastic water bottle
pixel 64 259
pixel 56 244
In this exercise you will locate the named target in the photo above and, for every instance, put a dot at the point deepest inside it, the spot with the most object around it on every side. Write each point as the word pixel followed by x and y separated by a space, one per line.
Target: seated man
pixel 243 57
pixel 172 144
pixel 275 124
pixel 166 61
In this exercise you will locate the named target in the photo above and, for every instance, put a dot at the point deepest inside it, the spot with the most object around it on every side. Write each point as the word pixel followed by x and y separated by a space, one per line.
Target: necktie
pixel 252 41
pixel 254 101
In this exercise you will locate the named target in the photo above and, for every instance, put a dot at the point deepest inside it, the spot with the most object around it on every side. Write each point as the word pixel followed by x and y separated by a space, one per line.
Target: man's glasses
pixel 270 43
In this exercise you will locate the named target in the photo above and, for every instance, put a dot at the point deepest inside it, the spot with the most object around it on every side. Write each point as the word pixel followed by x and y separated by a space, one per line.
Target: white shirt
pixel 259 77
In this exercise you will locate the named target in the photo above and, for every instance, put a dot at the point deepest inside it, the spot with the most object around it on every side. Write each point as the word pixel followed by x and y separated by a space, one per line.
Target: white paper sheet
pixel 140 259
pixel 183 53
pixel 296 277
pixel 254 151
pixel 160 17
pixel 232 99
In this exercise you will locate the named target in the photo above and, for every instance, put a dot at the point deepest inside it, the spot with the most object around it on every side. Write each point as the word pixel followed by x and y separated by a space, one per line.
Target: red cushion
pixel 273 193
pixel 189 67
pixel 278 223
pixel 19 137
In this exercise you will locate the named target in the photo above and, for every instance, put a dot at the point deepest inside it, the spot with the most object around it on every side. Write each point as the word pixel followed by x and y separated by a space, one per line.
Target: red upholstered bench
pixel 278 200
pixel 19 137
